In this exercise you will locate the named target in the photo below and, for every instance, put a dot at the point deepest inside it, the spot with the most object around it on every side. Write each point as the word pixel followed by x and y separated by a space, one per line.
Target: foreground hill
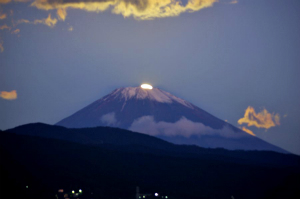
pixel 124 140
pixel 98 161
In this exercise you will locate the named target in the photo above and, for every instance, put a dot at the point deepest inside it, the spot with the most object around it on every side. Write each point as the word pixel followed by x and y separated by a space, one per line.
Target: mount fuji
pixel 158 113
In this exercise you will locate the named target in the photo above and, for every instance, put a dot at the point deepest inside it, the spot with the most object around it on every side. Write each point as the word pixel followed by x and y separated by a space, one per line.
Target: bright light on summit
pixel 146 86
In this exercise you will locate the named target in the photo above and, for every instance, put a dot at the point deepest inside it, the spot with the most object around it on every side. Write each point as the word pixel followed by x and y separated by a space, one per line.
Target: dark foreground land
pixel 109 163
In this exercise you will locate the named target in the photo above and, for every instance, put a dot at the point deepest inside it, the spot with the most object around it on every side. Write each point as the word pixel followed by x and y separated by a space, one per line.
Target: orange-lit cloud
pixel 234 2
pixel 9 1
pixel 70 28
pixel 248 131
pixel 264 119
pixel 5 1
pixel 15 31
pixel 48 21
pixel 3 27
pixel 2 16
pixel 22 21
pixel 22 1
pixel 9 95
pixel 61 13
pixel 139 9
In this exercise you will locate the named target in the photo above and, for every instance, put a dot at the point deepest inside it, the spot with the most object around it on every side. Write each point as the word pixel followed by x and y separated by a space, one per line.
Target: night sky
pixel 223 56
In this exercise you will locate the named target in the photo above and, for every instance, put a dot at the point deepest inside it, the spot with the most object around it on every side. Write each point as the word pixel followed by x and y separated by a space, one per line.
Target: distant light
pixel 156 194
pixel 26 187
pixel 80 191
pixel 73 191
pixel 60 190
pixel 146 86
pixel 166 197
pixel 143 196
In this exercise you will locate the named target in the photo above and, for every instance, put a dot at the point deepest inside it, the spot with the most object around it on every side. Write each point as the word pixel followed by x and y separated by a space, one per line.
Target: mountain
pixel 161 114
pixel 109 163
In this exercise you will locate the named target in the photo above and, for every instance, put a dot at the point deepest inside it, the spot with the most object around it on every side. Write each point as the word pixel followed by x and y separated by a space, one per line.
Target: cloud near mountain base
pixel 182 127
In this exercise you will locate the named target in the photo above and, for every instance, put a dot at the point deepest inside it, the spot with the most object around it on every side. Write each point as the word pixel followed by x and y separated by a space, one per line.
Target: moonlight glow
pixel 146 86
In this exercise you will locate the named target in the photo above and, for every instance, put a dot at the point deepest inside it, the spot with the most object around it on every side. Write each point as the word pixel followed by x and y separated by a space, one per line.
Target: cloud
pixel 182 127
pixel 5 1
pixel 109 119
pixel 3 27
pixel 61 13
pixel 15 31
pixel 48 21
pixel 22 1
pixel 139 9
pixel 234 2
pixel 248 131
pixel 2 16
pixel 22 21
pixel 264 119
pixel 70 28
pixel 9 95
pixel 9 1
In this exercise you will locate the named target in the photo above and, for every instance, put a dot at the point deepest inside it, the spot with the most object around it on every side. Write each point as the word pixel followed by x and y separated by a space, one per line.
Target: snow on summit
pixel 154 94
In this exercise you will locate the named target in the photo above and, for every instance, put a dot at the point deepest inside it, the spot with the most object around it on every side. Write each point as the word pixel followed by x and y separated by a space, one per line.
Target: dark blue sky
pixel 222 58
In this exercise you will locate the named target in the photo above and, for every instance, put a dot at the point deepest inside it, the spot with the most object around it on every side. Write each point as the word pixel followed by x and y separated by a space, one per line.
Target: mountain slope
pixel 161 114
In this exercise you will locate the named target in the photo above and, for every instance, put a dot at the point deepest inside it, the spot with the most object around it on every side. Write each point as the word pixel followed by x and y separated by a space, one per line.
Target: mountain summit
pixel 158 113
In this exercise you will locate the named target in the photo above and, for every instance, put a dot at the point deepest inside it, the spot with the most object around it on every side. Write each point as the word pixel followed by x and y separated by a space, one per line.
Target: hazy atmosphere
pixel 236 59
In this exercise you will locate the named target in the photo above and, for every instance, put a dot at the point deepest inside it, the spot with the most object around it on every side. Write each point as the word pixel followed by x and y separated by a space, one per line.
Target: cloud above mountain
pixel 182 127
pixel 139 9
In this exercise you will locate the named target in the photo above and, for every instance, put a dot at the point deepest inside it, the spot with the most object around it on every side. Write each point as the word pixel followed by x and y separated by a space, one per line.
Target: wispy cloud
pixel 48 21
pixel 22 1
pixel 9 1
pixel 109 119
pixel 2 16
pixel 139 9
pixel 263 119
pixel 22 21
pixel 3 27
pixel 234 2
pixel 12 95
pixel 61 14
pixel 16 31
pixel 5 1
pixel 248 131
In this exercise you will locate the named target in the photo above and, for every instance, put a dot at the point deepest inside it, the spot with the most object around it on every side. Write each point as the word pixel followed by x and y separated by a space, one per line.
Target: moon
pixel 146 86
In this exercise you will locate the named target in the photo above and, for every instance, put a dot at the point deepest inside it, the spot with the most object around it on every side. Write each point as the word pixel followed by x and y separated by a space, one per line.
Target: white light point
pixel 146 86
